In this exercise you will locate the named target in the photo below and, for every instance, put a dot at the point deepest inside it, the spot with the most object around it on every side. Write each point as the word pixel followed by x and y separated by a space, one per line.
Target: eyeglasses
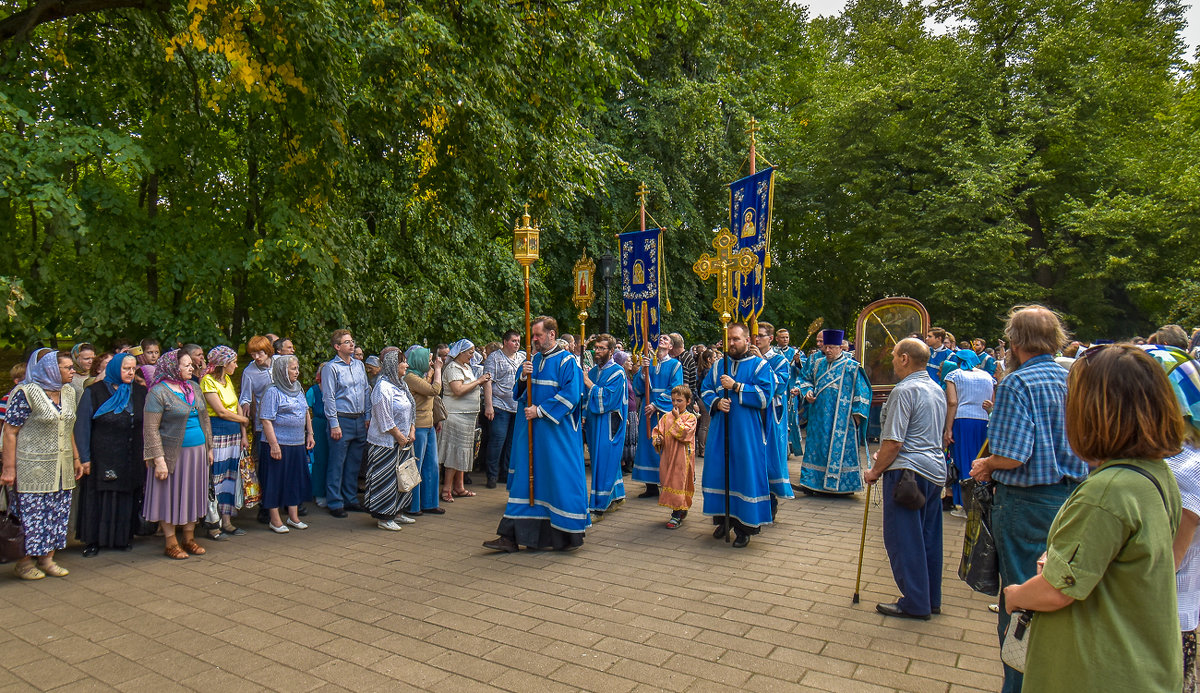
pixel 1092 351
pixel 345 342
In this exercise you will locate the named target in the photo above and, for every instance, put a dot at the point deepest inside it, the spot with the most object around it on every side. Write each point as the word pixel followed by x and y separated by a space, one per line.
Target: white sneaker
pixel 321 503
pixel 958 512
pixel 301 524
pixel 405 520
pixel 389 525
pixel 281 529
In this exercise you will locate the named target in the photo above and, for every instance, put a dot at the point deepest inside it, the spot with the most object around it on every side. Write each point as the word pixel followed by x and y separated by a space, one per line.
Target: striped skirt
pixel 383 498
pixel 227 453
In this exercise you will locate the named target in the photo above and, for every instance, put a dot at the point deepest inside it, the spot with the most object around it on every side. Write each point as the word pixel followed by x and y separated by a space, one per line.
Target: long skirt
pixel 107 518
pixel 383 498
pixel 632 425
pixel 182 497
pixel 44 519
pixel 456 442
pixel 227 453
pixel 286 483
pixel 969 435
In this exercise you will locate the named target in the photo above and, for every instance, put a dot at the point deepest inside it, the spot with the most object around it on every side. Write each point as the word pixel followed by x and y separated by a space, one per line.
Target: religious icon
pixel 880 326
pixel 748 224
pixel 639 273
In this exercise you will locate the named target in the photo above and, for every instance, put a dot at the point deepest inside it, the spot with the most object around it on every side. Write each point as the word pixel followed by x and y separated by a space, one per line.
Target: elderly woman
pixel 288 435
pixel 41 458
pixel 1104 595
pixel 969 393
pixel 229 436
pixel 178 454
pixel 82 356
pixel 425 384
pixel 389 442
pixel 108 433
pixel 456 444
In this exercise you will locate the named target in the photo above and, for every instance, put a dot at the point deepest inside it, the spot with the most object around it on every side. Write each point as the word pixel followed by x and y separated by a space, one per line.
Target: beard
pixel 734 353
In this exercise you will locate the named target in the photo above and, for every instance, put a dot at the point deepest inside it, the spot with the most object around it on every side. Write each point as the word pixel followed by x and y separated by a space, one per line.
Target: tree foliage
pixel 204 171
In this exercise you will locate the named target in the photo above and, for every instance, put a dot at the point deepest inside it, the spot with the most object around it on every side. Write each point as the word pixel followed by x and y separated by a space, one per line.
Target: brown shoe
pixel 502 544
pixel 173 551
pixel 193 548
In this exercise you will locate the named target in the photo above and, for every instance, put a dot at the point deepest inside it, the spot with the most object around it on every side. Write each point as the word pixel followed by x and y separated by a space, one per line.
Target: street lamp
pixel 608 265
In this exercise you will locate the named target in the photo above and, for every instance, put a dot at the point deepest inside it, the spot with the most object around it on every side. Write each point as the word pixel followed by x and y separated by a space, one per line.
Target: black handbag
pixel 906 493
pixel 12 534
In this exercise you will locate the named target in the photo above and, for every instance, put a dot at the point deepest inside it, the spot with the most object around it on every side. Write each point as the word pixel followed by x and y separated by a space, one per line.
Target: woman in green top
pixel 1104 595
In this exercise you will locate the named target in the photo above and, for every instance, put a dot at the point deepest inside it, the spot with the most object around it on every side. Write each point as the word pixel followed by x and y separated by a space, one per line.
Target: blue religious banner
pixel 641 255
pixel 750 201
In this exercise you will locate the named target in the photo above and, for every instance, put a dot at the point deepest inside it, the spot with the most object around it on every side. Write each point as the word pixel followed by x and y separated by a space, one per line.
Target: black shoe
pixel 502 544
pixel 415 514
pixel 436 511
pixel 263 517
pixel 338 512
pixel 650 492
pixel 355 508
pixel 302 511
pixel 720 532
pixel 90 550
pixel 741 540
pixel 467 480
pixel 235 532
pixel 947 504
pixel 936 610
pixel 491 483
pixel 895 610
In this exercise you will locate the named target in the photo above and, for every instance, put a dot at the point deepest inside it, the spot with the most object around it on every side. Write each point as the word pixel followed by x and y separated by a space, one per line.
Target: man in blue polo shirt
pixel 1032 465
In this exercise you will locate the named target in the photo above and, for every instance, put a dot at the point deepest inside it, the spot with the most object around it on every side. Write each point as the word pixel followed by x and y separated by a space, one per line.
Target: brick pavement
pixel 346 606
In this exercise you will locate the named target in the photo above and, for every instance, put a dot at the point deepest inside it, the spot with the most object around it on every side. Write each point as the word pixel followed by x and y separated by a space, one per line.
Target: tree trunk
pixel 152 257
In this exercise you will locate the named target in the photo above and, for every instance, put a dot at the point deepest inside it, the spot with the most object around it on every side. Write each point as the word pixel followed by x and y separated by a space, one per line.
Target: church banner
pixel 750 201
pixel 641 256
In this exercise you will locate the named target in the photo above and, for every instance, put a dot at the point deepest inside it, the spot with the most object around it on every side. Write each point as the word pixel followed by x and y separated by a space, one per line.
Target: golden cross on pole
pixel 727 262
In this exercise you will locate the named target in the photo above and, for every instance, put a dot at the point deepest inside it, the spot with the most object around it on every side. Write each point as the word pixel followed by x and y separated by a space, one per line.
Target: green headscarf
pixel 418 360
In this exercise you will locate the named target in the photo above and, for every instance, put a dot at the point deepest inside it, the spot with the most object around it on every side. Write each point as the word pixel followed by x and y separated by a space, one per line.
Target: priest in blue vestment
pixel 558 516
pixel 839 400
pixel 739 405
pixel 607 401
pixel 777 416
pixel 796 360
pixel 664 376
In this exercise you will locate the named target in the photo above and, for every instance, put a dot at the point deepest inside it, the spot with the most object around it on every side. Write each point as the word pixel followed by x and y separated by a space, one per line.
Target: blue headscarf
pixel 967 359
pixel 121 398
pixel 43 372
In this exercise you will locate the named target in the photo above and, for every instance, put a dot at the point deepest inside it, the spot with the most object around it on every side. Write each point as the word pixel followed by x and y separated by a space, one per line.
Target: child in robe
pixel 675 440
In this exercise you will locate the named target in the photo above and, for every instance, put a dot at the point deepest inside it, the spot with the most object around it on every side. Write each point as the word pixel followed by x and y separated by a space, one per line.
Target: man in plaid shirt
pixel 1031 465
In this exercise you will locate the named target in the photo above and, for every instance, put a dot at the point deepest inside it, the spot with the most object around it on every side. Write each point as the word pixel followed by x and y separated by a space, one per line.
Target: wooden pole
pixel 529 383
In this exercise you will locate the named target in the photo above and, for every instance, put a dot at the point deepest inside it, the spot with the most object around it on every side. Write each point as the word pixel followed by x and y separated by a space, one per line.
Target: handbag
pixel 979 566
pixel 906 493
pixel 1016 639
pixel 12 534
pixel 439 410
pixel 408 472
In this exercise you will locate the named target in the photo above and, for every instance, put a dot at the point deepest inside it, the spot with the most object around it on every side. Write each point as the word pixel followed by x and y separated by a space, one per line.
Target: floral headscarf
pixel 167 370
pixel 219 357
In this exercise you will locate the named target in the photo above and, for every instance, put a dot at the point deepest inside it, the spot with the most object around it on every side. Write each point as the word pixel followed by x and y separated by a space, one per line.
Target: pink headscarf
pixel 167 370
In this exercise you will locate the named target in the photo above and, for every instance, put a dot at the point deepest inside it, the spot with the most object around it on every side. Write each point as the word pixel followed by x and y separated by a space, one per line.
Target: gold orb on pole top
pixel 526 240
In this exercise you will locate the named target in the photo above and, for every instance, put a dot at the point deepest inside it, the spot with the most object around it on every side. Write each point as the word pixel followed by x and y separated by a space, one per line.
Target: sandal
pixel 173 551
pixel 29 571
pixel 463 494
pixel 674 522
pixel 193 548
pixel 446 498
pixel 54 570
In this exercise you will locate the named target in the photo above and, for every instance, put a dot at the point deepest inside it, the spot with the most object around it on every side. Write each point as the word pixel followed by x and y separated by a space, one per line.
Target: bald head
pixel 909 356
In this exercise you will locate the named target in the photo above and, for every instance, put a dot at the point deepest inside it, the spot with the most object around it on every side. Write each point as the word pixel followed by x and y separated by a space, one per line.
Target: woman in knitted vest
pixel 178 453
pixel 41 457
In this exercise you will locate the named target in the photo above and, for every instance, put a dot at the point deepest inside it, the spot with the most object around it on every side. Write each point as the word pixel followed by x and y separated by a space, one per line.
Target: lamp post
pixel 607 268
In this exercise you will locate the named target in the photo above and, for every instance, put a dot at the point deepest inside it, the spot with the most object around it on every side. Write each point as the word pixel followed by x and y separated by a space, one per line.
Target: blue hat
pixel 967 358
pixel 833 336
pixel 1103 341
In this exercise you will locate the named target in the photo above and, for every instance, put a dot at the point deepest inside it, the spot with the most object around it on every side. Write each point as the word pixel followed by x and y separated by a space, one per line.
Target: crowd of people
pixel 168 443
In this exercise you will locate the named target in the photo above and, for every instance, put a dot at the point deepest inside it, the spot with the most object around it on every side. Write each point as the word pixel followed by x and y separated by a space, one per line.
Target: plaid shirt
pixel 1028 424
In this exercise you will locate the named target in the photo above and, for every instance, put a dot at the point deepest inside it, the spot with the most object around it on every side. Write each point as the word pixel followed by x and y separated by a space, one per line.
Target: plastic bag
pixel 251 491
pixel 979 567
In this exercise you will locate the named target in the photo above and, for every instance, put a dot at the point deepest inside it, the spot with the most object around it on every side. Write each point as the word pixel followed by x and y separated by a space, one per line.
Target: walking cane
pixel 862 543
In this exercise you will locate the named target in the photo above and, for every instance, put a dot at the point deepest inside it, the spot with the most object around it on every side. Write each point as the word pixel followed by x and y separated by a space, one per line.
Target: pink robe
pixel 677 463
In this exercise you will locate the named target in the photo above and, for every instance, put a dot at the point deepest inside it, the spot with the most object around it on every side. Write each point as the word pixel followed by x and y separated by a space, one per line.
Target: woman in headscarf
pixel 41 458
pixel 108 433
pixel 969 392
pixel 425 385
pixel 229 436
pixel 83 355
pixel 288 435
pixel 389 442
pixel 456 445
pixel 147 358
pixel 178 453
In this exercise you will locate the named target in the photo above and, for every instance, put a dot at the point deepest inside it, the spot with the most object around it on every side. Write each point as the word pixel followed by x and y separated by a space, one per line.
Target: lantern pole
pixel 526 246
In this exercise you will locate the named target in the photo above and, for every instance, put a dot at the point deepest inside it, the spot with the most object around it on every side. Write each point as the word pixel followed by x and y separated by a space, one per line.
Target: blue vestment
pixel 831 463
pixel 795 438
pixel 607 402
pixel 777 426
pixel 666 375
pixel 934 367
pixel 749 493
pixel 560 492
